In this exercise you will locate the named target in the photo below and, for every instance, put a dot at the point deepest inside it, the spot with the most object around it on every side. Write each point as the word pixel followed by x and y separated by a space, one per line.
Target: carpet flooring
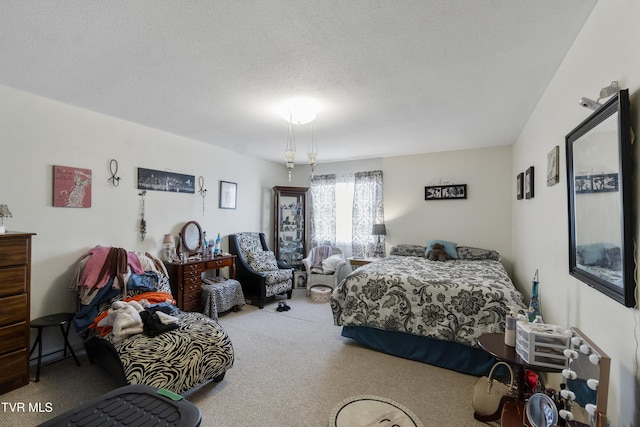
pixel 291 369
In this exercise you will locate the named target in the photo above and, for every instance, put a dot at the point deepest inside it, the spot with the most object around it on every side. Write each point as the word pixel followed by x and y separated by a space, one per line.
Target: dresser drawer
pixel 192 285
pixel 13 309
pixel 13 280
pixel 220 263
pixel 14 365
pixel 191 302
pixel 13 251
pixel 194 269
pixel 13 337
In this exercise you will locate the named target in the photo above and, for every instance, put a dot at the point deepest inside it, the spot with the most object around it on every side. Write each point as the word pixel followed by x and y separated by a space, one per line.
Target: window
pixel 344 209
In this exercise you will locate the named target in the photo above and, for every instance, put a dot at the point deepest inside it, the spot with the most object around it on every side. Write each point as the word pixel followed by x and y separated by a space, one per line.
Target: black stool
pixel 59 319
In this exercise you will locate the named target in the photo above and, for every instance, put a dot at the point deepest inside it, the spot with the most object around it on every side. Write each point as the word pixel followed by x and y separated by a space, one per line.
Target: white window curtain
pixel 368 209
pixel 323 210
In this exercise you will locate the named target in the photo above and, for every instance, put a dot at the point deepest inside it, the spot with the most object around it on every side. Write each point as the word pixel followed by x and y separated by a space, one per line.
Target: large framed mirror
pixel 191 239
pixel 599 169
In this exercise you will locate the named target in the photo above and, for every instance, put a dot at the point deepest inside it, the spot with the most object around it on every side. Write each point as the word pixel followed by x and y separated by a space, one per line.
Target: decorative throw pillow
pixel 471 254
pixel 408 250
pixel 329 265
pixel 263 261
pixel 449 248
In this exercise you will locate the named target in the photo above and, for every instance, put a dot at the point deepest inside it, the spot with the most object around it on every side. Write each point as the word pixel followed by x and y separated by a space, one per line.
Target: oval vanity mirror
pixel 191 238
pixel 541 411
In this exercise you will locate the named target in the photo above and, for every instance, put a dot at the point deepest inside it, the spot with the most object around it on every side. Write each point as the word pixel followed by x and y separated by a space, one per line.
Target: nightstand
pixel 359 262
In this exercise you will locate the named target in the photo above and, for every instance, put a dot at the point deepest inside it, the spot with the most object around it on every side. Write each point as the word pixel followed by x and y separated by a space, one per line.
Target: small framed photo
pixel 228 195
pixel 528 183
pixel 300 278
pixel 553 166
pixel 520 186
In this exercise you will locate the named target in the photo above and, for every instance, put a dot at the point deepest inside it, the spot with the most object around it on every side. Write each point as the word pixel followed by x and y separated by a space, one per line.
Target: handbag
pixel 490 395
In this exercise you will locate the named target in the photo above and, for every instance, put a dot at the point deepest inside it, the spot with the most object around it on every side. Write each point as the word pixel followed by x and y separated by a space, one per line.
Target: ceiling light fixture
pixel 300 111
pixel 290 150
pixel 312 151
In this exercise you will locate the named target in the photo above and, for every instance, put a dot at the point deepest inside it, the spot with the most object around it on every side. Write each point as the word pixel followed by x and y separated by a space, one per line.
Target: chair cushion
pixel 262 261
pixel 278 276
pixel 329 265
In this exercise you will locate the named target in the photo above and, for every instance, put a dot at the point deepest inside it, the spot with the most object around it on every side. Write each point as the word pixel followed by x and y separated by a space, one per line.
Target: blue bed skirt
pixel 445 354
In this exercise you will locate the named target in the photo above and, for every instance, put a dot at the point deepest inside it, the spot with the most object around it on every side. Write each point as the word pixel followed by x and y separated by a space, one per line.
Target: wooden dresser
pixel 186 279
pixel 15 284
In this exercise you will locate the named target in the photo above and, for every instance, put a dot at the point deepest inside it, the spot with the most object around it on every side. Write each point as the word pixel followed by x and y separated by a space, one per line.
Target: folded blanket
pixel 319 254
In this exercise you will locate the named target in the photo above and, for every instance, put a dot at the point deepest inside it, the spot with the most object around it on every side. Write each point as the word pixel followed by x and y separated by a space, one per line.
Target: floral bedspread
pixel 456 300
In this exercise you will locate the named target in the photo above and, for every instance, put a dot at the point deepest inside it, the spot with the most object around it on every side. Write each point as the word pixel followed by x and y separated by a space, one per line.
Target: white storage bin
pixel 541 344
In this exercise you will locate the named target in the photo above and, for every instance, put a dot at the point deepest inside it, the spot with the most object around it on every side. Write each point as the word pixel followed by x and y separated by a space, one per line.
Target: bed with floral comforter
pixel 401 295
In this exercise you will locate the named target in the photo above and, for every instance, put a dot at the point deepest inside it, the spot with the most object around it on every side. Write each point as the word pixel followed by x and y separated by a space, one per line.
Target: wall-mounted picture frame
pixel 445 192
pixel 553 166
pixel 528 183
pixel 156 180
pixel 71 187
pixel 520 186
pixel 228 195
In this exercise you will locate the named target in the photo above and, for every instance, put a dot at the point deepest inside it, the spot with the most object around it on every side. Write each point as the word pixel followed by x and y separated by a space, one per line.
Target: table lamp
pixel 379 230
pixel 168 243
pixel 4 213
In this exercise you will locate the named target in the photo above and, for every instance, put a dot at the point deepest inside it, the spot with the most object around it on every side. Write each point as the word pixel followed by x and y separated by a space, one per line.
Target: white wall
pixel 37 133
pixel 482 220
pixel 605 50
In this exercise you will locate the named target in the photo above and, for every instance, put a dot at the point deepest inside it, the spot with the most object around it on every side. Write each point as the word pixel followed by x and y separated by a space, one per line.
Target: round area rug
pixel 366 411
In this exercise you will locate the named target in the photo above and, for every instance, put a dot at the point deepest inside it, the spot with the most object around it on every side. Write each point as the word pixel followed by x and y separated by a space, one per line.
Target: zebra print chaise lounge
pixel 185 350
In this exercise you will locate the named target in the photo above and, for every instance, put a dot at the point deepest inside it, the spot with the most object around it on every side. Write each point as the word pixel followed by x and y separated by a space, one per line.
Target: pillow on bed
pixel 408 250
pixel 449 248
pixel 474 254
pixel 263 261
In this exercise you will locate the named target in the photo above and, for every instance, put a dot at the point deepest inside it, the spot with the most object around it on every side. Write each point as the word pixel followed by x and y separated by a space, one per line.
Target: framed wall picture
pixel 445 192
pixel 71 187
pixel 228 195
pixel 520 186
pixel 553 166
pixel 528 183
pixel 157 180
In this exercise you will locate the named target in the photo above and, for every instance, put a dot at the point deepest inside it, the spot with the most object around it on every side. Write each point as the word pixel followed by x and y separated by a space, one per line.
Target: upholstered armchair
pixel 323 265
pixel 262 277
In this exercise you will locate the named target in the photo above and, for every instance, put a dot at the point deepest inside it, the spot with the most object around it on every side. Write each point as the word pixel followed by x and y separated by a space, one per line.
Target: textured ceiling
pixel 393 77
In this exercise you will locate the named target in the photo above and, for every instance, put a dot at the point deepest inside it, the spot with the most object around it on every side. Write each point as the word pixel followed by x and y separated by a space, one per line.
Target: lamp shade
pixel 5 212
pixel 379 230
pixel 168 240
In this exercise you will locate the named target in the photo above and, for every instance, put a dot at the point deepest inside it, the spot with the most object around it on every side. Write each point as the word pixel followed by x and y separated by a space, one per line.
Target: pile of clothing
pixel 126 318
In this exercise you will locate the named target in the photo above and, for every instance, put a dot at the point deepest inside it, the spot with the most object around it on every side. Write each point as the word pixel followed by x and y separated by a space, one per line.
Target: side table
pixel 493 344
pixel 359 262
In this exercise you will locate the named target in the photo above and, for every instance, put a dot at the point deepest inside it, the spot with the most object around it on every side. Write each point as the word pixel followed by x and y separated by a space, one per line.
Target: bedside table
pixel 359 262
